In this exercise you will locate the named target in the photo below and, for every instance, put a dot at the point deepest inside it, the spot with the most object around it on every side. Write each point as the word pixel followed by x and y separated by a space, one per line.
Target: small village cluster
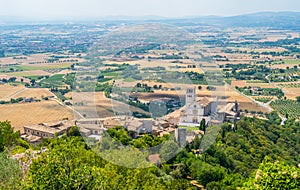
pixel 195 110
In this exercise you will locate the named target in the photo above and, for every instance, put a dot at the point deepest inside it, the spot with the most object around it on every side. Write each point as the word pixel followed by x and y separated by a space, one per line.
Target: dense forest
pixel 254 154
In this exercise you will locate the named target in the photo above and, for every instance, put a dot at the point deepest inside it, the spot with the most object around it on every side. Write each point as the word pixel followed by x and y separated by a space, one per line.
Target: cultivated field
pixel 7 76
pixel 33 59
pixel 30 73
pixel 8 91
pixel 96 105
pixel 292 93
pixel 33 113
pixel 33 93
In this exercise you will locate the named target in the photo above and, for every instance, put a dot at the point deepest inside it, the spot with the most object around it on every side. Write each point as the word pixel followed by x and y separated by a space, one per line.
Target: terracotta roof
pixel 203 101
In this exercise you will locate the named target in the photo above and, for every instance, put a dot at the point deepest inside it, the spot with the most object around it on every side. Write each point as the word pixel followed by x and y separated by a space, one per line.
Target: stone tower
pixel 180 136
pixel 190 95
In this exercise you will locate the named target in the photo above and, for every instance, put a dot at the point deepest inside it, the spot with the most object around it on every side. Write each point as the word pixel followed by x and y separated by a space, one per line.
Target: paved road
pixel 283 119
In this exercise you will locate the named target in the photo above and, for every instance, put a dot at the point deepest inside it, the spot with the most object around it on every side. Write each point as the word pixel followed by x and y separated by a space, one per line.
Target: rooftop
pixel 204 101
pixel 51 127
pixel 133 125
pixel 227 109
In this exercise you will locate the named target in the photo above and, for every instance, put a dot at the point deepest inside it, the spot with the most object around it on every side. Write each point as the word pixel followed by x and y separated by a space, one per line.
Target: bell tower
pixel 190 95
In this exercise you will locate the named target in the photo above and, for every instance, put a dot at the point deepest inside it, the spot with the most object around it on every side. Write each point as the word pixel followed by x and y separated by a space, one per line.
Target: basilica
pixel 209 109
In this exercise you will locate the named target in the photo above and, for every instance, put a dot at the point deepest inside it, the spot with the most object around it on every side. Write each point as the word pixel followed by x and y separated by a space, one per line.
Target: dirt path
pixel 16 93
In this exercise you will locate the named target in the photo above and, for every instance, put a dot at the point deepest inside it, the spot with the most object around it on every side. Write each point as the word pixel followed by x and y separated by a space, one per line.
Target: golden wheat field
pixel 95 104
pixel 33 113
pixel 8 91
pixel 292 93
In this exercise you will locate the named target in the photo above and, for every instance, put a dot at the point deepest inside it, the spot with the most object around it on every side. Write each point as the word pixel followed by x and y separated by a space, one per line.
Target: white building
pixel 196 110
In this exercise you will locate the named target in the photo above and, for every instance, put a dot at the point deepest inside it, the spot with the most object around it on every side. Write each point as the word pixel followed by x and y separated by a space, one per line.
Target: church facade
pixel 195 110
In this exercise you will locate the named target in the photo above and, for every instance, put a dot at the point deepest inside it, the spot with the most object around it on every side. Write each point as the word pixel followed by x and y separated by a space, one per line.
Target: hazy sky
pixel 168 8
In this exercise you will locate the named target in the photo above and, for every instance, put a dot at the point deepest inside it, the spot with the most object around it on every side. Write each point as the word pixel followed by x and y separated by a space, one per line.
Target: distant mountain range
pixel 281 20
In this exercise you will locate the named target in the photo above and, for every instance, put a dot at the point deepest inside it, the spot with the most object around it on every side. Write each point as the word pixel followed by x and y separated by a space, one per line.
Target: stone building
pixel 197 109
pixel 97 126
pixel 180 136
pixel 48 130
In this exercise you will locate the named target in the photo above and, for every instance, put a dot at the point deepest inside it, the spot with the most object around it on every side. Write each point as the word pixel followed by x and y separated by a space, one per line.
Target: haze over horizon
pixel 60 9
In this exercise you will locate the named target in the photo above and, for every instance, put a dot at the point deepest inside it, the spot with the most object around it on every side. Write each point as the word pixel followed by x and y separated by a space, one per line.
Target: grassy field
pixel 29 73
pixel 55 81
pixel 104 80
pixel 292 61
pixel 38 67
pixel 36 77
pixel 111 74
pixel 129 80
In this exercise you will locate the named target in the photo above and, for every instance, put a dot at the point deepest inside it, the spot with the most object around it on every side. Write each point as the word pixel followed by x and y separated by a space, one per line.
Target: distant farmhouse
pixel 196 110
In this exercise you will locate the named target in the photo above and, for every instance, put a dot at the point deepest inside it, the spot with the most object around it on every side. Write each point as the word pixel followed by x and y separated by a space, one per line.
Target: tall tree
pixel 10 175
pixel 203 125
pixel 7 135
